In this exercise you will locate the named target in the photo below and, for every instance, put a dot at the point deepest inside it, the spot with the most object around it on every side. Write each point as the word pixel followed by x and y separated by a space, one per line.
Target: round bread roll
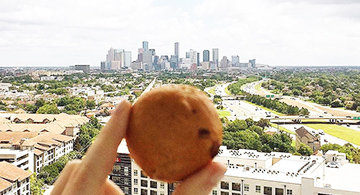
pixel 173 131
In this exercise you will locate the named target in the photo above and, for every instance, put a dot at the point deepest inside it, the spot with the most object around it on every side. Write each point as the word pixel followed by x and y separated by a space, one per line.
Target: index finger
pixel 101 155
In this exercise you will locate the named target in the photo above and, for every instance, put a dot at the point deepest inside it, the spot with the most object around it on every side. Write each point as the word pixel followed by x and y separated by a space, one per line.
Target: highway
pixel 240 109
pixel 314 109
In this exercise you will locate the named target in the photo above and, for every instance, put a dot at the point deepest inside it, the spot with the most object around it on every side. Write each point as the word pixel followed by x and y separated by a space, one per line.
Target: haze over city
pixel 276 32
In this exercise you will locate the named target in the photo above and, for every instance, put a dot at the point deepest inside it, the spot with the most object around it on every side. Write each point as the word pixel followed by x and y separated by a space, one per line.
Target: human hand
pixel 89 176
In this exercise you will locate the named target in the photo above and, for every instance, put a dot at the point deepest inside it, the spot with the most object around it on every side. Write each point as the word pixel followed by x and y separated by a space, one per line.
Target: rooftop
pixel 12 173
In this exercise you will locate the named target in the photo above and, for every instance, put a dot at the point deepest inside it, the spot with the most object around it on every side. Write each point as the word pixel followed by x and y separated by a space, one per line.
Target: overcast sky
pixel 275 32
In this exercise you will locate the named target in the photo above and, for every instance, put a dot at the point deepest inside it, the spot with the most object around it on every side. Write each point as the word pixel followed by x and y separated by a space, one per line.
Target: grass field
pixel 212 90
pixel 223 113
pixel 282 128
pixel 341 132
pixel 267 109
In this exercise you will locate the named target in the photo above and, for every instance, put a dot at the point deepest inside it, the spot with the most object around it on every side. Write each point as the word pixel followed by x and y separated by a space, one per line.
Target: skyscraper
pixel 206 55
pixel 198 59
pixel 145 45
pixel 127 58
pixel 235 61
pixel 215 52
pixel 176 52
pixel 253 63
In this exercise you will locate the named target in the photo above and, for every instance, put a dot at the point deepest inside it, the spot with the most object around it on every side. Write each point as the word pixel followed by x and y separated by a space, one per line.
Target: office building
pixel 102 65
pixel 147 60
pixel 127 60
pixel 235 61
pixel 174 62
pixel 253 63
pixel 176 49
pixel 176 53
pixel 198 59
pixel 215 54
pixel 84 68
pixel 116 59
pixel 206 56
pixel 250 172
pixel 145 45
pixel 224 63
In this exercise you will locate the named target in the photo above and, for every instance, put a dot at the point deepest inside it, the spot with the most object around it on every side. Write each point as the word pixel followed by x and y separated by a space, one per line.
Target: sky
pixel 274 32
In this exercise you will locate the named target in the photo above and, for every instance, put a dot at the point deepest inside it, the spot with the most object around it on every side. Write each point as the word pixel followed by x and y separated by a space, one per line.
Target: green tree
pixel 48 109
pixel 36 185
pixel 90 104
pixel 263 123
pixel 305 150
pixel 31 108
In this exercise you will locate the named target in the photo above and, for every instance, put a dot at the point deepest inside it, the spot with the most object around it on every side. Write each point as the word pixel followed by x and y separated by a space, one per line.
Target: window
pixel 267 190
pixel 224 185
pixel 224 193
pixel 236 186
pixel 144 183
pixel 143 192
pixel 136 191
pixel 162 185
pixel 136 182
pixel 258 189
pixel 289 192
pixel 135 172
pixel 214 192
pixel 153 192
pixel 153 184
pixel 116 179
pixel 143 175
pixel 246 187
pixel 235 193
pixel 126 181
pixel 116 169
pixel 126 171
pixel 161 193
pixel 279 191
pixel 126 190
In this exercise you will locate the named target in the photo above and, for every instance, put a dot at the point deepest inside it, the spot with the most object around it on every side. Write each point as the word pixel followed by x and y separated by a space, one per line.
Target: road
pixel 240 109
pixel 324 139
pixel 314 109
pixel 150 86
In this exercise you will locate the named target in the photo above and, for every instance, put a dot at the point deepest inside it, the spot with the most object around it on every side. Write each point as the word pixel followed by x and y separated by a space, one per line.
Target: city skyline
pixel 277 32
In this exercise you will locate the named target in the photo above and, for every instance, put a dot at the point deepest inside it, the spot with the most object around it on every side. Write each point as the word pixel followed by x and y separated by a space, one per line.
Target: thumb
pixel 202 182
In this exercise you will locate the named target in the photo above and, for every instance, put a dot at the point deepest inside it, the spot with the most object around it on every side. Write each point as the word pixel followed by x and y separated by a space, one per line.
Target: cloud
pixel 276 32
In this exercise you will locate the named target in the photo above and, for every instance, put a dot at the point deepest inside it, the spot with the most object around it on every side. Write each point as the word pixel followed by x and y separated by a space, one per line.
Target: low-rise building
pixel 14 180
pixel 308 138
pixel 251 172
pixel 31 151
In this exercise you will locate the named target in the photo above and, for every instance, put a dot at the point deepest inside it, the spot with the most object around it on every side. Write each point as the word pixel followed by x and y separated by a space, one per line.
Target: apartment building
pixel 31 150
pixel 14 180
pixel 19 158
pixel 251 172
